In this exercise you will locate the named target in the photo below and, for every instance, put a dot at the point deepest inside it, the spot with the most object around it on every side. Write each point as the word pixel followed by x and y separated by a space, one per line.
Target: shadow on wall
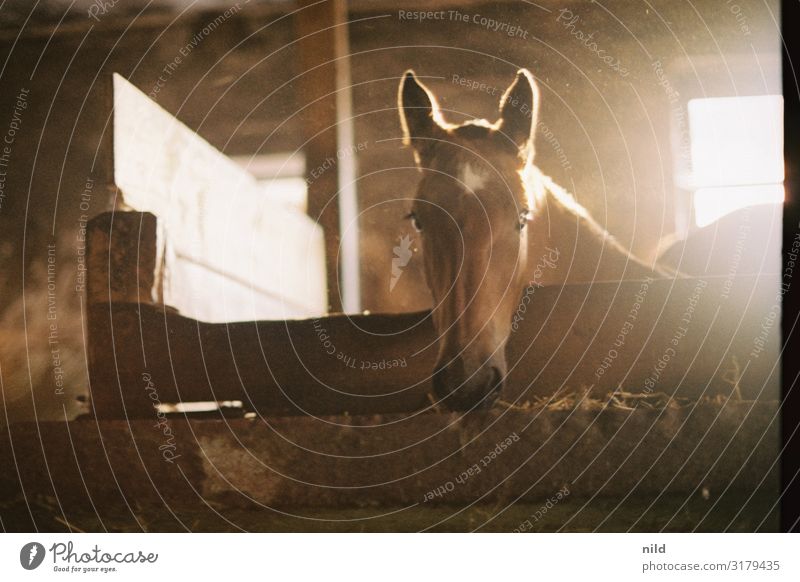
pixel 43 372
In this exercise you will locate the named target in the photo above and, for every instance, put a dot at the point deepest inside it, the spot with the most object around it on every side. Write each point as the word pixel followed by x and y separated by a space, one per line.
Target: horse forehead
pixel 472 176
pixel 470 187
pixel 452 181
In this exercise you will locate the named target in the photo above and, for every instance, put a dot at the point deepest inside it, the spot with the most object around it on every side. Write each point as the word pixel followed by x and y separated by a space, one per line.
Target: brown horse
pixel 492 224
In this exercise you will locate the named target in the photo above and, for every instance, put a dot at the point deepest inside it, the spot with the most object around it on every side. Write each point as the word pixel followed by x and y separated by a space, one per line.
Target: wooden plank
pixel 397 461
pixel 211 213
pixel 132 335
pixel 688 337
pixel 317 366
pixel 567 340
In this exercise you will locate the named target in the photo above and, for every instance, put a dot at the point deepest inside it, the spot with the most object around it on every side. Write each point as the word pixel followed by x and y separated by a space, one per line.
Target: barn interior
pixel 662 119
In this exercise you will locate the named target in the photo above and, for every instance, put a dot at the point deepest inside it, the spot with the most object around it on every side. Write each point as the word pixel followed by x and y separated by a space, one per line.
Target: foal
pixel 492 224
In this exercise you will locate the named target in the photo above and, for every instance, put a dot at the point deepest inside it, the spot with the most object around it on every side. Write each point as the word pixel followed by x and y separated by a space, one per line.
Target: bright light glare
pixel 289 191
pixel 168 408
pixel 737 153
pixel 736 140
pixel 710 204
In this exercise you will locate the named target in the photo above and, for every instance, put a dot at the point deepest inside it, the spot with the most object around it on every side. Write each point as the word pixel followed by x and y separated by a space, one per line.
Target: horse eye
pixel 414 221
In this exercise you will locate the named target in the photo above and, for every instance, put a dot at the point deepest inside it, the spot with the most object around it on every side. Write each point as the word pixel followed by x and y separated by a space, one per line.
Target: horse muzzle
pixel 460 386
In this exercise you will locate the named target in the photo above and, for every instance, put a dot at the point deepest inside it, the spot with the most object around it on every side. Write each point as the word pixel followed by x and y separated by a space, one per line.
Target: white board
pixel 221 234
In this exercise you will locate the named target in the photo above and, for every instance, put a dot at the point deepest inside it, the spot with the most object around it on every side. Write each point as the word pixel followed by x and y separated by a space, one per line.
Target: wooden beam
pixel 302 367
pixel 688 337
pixel 321 38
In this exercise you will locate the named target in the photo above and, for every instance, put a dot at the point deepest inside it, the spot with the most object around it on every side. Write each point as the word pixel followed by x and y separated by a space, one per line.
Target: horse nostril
pixel 458 389
pixel 448 376
pixel 440 382
pixel 484 393
pixel 497 380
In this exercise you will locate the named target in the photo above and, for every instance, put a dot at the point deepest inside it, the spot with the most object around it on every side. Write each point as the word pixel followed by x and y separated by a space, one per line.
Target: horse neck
pixel 586 251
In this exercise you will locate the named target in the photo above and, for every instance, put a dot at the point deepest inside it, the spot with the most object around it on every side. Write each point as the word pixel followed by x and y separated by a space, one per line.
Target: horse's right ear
pixel 519 110
pixel 419 115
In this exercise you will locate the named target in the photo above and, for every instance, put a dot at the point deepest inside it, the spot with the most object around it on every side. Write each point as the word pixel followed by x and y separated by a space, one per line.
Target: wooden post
pixel 322 37
pixel 122 258
pixel 122 269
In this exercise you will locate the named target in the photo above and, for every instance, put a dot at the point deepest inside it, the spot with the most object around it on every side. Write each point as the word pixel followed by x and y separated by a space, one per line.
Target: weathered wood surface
pixel 690 337
pixel 396 460
pixel 122 258
pixel 218 234
pixel 321 37
pixel 283 367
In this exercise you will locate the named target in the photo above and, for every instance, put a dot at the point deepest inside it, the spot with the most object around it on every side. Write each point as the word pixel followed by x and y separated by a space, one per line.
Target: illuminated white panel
pixel 736 140
pixel 710 204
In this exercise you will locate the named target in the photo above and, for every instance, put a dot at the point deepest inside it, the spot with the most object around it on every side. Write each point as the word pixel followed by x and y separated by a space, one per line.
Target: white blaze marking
pixel 474 179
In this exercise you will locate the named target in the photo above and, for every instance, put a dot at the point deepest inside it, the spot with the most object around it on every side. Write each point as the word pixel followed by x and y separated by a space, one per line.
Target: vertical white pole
pixel 347 167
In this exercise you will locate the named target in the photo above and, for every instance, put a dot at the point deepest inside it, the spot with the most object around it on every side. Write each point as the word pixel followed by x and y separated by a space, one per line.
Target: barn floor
pixel 733 512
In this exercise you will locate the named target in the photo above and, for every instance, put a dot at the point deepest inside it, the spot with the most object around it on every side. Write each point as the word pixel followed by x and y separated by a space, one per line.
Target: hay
pixel 620 399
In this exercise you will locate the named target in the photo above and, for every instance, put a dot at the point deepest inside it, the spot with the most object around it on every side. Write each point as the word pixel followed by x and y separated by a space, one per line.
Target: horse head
pixel 472 209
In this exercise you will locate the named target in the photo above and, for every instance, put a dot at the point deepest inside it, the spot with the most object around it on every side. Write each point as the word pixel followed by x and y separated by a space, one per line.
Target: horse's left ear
pixel 519 109
pixel 419 116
